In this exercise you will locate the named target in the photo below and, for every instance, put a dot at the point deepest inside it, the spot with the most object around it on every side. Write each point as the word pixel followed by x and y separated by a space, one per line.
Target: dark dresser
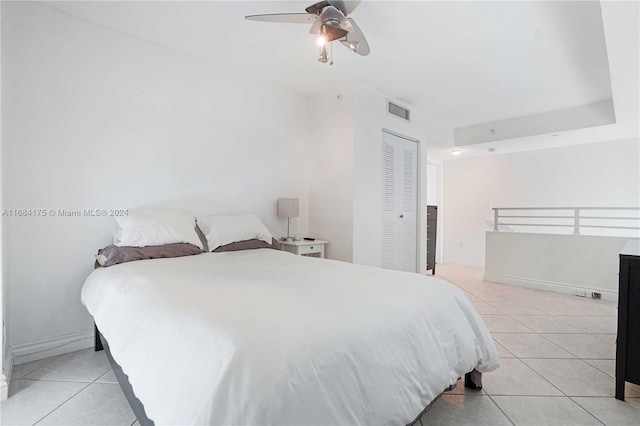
pixel 432 226
pixel 628 342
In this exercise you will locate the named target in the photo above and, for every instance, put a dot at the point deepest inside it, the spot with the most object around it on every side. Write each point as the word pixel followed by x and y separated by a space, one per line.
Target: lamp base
pixel 289 239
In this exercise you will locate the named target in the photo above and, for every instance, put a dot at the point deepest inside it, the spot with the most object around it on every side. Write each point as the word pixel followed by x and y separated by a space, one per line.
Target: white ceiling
pixel 462 63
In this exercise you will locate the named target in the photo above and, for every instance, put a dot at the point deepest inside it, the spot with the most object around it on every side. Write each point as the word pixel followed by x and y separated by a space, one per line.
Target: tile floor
pixel 558 361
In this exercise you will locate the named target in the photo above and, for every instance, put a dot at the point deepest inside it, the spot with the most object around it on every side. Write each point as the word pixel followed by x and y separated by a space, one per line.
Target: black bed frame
pixel 472 380
pixel 100 343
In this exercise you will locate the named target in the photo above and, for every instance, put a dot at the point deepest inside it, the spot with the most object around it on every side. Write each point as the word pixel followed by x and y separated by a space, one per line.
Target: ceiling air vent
pixel 398 111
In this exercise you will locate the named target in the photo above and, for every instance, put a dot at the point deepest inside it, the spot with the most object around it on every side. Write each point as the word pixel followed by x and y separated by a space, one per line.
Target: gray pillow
pixel 248 245
pixel 113 255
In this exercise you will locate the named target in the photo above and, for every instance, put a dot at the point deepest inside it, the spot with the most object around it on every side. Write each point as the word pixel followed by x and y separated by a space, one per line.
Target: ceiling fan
pixel 329 22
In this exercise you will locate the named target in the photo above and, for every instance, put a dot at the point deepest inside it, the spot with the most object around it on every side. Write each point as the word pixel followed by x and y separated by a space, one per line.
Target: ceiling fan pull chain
pixel 331 63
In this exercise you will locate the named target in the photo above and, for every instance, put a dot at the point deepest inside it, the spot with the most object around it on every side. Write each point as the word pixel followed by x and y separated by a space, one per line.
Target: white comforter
pixel 263 337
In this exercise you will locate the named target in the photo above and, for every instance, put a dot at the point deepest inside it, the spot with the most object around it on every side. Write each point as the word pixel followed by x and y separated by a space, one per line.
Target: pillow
pixel 223 230
pixel 248 245
pixel 112 255
pixel 155 228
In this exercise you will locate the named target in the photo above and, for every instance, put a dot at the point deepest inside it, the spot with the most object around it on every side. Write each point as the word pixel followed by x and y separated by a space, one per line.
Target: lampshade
pixel 288 207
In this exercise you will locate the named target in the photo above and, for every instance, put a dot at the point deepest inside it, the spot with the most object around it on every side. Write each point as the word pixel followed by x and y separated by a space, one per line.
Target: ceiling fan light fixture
pixel 320 41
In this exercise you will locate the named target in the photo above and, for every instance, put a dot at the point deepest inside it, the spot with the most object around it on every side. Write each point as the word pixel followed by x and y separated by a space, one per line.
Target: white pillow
pixel 223 230
pixel 154 228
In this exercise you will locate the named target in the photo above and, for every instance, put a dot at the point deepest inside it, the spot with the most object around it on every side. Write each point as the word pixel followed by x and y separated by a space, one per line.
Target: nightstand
pixel 304 247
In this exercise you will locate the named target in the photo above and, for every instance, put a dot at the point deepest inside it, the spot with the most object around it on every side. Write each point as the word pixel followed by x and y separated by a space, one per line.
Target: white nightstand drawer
pixel 304 247
pixel 311 248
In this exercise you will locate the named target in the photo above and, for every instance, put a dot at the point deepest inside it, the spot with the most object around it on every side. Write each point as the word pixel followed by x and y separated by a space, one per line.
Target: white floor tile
pixel 502 351
pixel 574 377
pixel 464 410
pixel 108 377
pixel 602 307
pixel 530 346
pixel 516 308
pixel 559 308
pixel 546 324
pixel 612 412
pixel 98 404
pixel 488 295
pixel 516 378
pixel 541 410
pixel 591 324
pixel 19 371
pixel 484 308
pixel 504 324
pixel 607 366
pixel 31 400
pixel 85 365
pixel 609 338
pixel 584 345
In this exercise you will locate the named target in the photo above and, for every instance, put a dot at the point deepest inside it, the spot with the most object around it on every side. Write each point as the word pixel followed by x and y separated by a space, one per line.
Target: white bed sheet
pixel 263 337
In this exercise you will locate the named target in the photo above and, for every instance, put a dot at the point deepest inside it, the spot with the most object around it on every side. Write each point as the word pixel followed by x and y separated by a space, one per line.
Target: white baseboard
pixel 548 285
pixel 5 379
pixel 51 347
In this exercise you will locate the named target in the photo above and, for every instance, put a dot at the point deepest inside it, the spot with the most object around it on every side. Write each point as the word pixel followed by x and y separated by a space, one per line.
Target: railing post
pixel 576 221
pixel 495 220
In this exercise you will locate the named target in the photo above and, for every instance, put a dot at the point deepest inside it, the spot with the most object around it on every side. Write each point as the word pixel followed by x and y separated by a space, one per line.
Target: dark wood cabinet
pixel 628 342
pixel 432 226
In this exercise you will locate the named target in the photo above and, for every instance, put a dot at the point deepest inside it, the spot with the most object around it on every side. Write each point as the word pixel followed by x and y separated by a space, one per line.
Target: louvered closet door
pixel 399 210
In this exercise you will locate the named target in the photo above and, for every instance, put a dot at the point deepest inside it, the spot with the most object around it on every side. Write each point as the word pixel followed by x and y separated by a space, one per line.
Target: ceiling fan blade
pixel 345 6
pixel 289 18
pixel 356 40
pixel 329 14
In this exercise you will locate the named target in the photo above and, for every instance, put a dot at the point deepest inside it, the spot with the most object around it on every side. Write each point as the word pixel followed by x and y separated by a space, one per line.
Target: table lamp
pixel 288 207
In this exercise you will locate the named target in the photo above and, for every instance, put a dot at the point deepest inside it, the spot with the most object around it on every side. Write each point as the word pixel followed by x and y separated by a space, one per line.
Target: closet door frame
pixel 421 247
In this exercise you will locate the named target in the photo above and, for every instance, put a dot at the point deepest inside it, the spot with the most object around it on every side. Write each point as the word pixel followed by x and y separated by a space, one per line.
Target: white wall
pixel 4 373
pixel 603 174
pixel 94 118
pixel 433 184
pixel 331 172
pixel 434 194
pixel 563 263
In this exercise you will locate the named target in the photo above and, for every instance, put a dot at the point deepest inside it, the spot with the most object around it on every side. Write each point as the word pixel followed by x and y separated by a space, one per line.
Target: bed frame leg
pixel 97 343
pixel 473 380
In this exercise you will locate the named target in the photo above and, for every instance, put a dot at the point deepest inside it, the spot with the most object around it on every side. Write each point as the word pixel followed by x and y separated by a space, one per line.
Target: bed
pixel 267 337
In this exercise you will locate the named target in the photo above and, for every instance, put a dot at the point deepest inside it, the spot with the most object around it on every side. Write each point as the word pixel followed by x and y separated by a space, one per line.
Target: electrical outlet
pixel 581 293
pixel 596 295
pixel 461 244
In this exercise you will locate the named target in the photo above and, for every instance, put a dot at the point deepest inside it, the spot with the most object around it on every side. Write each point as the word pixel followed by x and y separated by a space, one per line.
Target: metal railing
pixel 571 217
